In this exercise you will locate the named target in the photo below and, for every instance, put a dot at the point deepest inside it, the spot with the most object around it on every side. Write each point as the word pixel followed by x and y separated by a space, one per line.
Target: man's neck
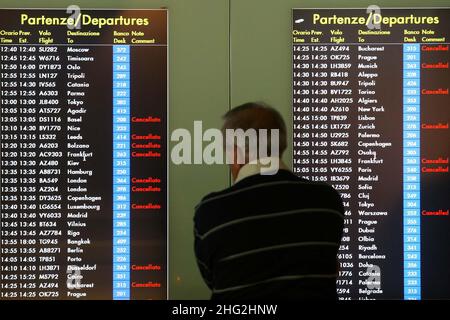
pixel 263 166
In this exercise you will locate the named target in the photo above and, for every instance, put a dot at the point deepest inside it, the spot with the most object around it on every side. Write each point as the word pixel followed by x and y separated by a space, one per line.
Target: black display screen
pixel 83 154
pixel 371 117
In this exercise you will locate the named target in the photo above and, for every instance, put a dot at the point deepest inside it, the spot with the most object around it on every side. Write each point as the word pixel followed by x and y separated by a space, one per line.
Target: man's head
pixel 258 124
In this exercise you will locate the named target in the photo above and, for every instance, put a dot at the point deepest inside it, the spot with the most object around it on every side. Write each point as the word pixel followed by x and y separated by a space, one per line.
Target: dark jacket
pixel 270 237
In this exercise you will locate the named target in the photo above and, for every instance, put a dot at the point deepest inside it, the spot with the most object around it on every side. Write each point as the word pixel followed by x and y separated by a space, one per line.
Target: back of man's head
pixel 257 116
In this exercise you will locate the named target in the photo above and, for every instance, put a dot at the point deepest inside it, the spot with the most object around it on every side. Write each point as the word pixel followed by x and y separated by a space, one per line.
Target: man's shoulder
pixel 266 195
pixel 253 184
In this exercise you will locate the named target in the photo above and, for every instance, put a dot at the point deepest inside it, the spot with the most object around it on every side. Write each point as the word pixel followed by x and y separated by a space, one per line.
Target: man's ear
pixel 236 166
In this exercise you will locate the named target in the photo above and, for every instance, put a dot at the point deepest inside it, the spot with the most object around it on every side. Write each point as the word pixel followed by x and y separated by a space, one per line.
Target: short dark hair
pixel 256 115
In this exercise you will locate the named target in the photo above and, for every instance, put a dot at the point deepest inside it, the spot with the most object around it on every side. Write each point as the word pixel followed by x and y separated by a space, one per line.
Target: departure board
pixel 371 118
pixel 83 154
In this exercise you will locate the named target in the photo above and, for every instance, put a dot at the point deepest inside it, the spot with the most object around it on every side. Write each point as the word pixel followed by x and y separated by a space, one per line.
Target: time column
pixel 18 172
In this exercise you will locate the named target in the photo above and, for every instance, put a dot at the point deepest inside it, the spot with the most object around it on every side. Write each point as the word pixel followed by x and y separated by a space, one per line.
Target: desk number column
pixel 411 171
pixel 121 172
